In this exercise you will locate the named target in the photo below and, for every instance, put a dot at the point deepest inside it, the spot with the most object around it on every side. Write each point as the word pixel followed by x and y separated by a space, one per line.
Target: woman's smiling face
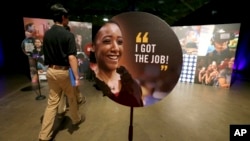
pixel 108 46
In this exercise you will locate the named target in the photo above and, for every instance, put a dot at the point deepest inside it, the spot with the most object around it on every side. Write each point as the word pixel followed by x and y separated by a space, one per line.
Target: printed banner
pixel 149 55
pixel 208 53
pixel 35 28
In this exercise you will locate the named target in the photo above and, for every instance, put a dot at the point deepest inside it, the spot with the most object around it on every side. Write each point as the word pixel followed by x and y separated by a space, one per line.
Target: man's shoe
pixel 61 115
pixel 75 126
pixel 79 122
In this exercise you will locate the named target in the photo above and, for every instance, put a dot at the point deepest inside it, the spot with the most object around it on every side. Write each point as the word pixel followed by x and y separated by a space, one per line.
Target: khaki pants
pixel 62 104
pixel 63 101
pixel 59 84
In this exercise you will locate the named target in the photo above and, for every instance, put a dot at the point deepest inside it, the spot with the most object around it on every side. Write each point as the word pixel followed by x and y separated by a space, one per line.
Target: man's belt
pixel 59 67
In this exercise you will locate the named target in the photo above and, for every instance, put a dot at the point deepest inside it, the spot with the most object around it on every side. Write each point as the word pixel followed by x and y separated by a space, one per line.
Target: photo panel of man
pixel 208 53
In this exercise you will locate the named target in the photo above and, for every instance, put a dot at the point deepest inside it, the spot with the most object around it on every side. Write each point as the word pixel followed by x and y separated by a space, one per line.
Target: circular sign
pixel 152 56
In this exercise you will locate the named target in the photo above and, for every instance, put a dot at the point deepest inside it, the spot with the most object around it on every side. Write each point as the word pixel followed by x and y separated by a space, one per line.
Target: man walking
pixel 60 55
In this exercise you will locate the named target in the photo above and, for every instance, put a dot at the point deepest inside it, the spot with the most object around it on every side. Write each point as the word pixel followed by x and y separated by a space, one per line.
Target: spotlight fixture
pixel 105 19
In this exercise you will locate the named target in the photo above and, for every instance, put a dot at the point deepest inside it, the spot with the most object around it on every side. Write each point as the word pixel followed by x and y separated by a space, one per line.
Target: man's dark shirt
pixel 218 57
pixel 58 44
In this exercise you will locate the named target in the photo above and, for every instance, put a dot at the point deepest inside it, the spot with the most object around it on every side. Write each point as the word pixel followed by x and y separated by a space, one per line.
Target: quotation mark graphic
pixel 143 39
pixel 164 67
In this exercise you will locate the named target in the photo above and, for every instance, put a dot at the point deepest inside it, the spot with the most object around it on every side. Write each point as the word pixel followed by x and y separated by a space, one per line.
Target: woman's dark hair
pixel 57 11
pixel 67 27
pixel 96 28
pixel 92 58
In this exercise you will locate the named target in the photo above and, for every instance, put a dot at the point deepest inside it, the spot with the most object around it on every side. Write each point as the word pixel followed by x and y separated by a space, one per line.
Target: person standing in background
pixel 78 39
pixel 225 74
pixel 60 55
pixel 30 30
pixel 221 50
pixel 37 54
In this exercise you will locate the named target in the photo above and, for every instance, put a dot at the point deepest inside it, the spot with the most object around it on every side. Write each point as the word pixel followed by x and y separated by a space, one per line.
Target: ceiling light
pixel 105 19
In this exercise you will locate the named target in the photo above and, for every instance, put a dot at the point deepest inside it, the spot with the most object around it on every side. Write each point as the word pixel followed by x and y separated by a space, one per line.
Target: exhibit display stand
pixel 39 94
pixel 130 131
pixel 152 57
pixel 28 47
pixel 35 83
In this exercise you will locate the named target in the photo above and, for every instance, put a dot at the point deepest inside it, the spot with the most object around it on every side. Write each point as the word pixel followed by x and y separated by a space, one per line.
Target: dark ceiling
pixel 94 10
pixel 169 10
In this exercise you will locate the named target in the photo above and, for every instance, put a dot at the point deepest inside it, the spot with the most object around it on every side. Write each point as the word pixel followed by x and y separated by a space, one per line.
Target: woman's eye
pixel 106 41
pixel 120 42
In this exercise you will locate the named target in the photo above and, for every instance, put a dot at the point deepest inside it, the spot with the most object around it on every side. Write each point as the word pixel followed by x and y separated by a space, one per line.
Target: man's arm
pixel 74 66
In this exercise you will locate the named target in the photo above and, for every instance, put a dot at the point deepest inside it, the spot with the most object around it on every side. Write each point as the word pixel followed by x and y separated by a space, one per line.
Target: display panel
pixel 208 53
pixel 135 65
pixel 34 29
